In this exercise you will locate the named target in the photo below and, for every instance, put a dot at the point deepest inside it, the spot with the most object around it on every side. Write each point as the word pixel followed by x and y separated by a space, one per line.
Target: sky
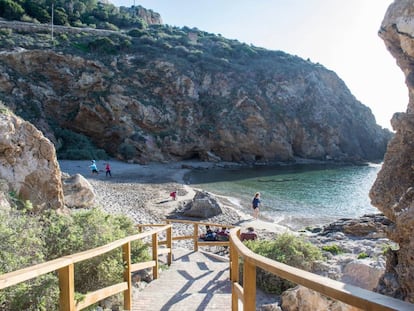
pixel 341 35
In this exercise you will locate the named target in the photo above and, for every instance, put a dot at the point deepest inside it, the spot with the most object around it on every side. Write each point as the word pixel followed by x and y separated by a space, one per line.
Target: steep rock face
pixel 28 163
pixel 215 98
pixel 392 192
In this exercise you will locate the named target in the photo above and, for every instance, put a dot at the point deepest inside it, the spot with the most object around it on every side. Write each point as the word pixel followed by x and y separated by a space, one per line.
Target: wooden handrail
pixel 65 268
pixel 245 294
pixel 349 294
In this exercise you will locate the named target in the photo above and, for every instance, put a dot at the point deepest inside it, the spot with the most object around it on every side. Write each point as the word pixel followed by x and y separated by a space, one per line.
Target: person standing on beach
pixel 108 170
pixel 255 205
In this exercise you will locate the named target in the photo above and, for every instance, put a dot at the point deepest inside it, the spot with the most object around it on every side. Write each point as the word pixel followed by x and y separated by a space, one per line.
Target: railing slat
pixel 100 294
pixel 142 265
pixel 25 274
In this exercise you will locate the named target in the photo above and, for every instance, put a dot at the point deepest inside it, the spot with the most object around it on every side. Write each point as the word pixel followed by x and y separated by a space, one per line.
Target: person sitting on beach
pixel 94 168
pixel 249 235
pixel 223 234
pixel 209 235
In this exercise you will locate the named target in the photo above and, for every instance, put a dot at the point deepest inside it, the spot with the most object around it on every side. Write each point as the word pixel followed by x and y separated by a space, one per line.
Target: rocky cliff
pixel 28 163
pixel 166 94
pixel 393 191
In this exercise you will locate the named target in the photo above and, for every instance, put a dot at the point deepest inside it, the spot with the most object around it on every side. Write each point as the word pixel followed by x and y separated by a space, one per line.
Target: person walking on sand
pixel 108 170
pixel 255 205
pixel 94 168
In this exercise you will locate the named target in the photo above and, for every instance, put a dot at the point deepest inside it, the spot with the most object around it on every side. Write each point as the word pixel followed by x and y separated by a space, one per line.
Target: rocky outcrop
pixel 159 98
pixel 78 192
pixel 28 163
pixel 203 205
pixel 393 192
pixel 303 299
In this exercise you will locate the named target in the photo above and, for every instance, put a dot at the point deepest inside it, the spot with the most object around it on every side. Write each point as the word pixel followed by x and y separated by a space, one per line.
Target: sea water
pixel 295 196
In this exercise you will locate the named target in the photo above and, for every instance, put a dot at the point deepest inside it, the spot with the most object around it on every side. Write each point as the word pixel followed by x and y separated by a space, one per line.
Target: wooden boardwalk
pixel 194 281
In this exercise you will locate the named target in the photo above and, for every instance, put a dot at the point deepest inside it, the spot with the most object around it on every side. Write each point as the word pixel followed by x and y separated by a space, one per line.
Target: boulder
pixel 303 299
pixel 203 205
pixel 363 273
pixel 28 163
pixel 78 192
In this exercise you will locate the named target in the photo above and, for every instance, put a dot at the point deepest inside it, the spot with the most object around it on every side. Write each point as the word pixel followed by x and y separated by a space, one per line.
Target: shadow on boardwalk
pixel 194 281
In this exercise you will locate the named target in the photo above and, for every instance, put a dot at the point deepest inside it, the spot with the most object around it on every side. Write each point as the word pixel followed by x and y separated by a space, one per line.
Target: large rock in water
pixel 28 163
pixel 392 192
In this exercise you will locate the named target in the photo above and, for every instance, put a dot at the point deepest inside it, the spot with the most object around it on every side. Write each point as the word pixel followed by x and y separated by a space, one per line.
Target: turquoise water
pixel 295 196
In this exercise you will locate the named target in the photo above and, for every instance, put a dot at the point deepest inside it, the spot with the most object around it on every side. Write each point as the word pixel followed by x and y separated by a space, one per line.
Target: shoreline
pixel 142 191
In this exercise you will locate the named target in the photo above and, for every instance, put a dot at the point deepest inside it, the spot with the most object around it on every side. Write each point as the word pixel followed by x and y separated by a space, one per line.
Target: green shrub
pixel 27 240
pixel 75 146
pixel 127 151
pixel 21 245
pixel 362 255
pixel 104 45
pixel 89 229
pixel 6 32
pixel 11 10
pixel 136 33
pixel 333 249
pixel 288 249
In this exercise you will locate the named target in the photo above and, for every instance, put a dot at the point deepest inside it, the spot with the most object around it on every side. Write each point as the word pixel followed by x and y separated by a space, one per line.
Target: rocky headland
pixel 168 94
pixel 392 192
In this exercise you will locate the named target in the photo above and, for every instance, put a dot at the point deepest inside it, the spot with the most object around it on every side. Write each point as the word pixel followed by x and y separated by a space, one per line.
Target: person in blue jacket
pixel 94 168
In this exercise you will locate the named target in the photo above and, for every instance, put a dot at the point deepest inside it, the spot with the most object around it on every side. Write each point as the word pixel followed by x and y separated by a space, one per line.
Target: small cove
pixel 295 196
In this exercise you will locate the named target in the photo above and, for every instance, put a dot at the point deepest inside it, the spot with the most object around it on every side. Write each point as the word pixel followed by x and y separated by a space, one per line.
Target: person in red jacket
pixel 249 235
pixel 108 170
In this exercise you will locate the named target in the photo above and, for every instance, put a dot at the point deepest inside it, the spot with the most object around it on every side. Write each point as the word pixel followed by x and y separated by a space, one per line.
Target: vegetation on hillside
pixel 189 49
pixel 76 13
pixel 26 240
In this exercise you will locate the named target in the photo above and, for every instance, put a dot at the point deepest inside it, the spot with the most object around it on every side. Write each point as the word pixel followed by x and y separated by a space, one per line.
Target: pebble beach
pixel 142 192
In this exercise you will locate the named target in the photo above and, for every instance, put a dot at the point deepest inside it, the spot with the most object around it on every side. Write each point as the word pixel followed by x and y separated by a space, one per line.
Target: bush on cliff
pixel 288 249
pixel 75 146
pixel 27 240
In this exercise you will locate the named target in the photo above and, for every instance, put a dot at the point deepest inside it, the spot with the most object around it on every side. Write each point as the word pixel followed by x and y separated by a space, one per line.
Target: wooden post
pixel 249 286
pixel 155 255
pixel 67 288
pixel 169 245
pixel 195 237
pixel 234 275
pixel 126 257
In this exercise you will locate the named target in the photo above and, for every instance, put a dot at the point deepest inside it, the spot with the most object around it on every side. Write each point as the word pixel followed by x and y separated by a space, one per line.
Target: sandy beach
pixel 142 192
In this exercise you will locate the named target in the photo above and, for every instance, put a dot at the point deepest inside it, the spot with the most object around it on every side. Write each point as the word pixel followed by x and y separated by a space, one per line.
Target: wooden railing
pixel 246 293
pixel 195 232
pixel 64 266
